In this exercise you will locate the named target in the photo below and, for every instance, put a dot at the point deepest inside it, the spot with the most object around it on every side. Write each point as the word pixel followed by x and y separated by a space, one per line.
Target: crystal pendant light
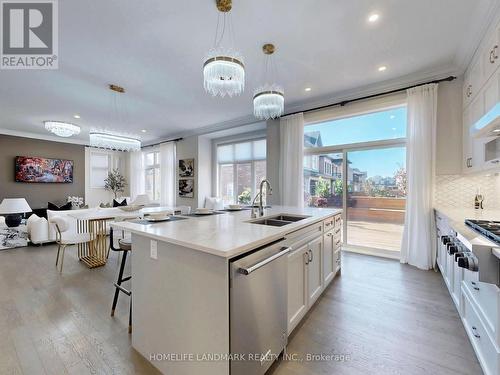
pixel 62 129
pixel 268 99
pixel 223 70
pixel 102 139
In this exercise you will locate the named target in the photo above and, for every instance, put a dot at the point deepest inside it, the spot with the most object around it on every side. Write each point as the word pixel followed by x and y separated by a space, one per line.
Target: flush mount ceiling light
pixel 223 70
pixel 269 99
pixel 114 142
pixel 373 17
pixel 382 68
pixel 307 89
pixel 62 129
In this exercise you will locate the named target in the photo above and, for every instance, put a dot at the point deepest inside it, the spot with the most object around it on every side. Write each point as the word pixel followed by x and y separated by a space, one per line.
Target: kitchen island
pixel 184 310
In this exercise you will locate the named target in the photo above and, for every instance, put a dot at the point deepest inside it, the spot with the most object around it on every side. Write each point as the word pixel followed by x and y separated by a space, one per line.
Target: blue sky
pixel 370 127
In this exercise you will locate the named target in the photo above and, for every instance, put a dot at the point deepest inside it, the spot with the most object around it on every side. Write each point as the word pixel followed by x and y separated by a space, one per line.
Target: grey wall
pixel 39 194
pixel 187 149
pixel 449 128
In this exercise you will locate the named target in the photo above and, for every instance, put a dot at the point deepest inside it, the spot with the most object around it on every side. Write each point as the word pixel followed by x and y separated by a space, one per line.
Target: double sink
pixel 279 220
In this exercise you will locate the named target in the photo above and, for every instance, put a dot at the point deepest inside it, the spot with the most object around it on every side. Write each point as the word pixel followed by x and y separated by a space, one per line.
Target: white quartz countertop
pixel 226 235
pixel 456 219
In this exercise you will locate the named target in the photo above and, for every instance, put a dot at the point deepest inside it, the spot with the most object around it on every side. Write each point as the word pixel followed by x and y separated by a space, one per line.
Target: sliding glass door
pixel 358 164
pixel 376 198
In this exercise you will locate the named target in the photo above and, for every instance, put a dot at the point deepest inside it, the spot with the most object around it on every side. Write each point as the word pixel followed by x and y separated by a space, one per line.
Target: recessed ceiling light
pixel 373 17
pixel 144 130
pixel 382 68
pixel 307 89
pixel 76 116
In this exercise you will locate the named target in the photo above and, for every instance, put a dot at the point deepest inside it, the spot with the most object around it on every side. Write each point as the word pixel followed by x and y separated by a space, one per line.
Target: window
pixel 99 169
pixel 360 167
pixel 152 174
pixel 241 167
pixel 376 126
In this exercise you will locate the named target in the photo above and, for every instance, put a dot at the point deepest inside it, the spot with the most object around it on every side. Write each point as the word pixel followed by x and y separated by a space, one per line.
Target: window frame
pixel 92 168
pixel 252 161
pixel 156 165
pixel 357 109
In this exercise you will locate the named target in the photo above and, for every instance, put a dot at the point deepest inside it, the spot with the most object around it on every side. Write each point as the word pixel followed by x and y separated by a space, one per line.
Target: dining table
pixel 95 252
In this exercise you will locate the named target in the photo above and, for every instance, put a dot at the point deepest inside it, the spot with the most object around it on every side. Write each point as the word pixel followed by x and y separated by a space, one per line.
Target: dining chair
pixel 65 239
pixel 184 210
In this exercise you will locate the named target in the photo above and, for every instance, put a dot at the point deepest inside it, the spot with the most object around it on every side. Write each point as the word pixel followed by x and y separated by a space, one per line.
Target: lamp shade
pixel 14 206
pixel 141 200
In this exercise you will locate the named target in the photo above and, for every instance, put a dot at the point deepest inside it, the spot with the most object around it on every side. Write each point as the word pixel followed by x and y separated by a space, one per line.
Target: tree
pixel 323 188
pixel 401 180
pixel 245 197
pixel 115 182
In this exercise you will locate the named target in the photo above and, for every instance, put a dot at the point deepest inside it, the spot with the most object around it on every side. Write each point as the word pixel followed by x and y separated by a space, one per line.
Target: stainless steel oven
pixel 258 309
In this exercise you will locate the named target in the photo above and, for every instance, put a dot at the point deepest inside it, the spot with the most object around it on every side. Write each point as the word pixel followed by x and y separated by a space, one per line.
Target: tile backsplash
pixel 459 191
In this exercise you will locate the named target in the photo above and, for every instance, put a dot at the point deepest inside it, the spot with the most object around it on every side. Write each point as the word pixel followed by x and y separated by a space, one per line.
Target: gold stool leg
pixel 62 257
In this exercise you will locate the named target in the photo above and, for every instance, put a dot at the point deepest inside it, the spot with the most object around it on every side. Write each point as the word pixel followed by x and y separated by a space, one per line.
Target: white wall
pixel 204 168
pixel 120 160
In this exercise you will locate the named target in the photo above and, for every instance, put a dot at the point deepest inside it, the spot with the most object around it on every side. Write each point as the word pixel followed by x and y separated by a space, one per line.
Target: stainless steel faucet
pixel 269 191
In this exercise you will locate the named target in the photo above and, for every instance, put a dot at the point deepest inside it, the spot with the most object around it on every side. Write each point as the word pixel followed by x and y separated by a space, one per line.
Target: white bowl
pixel 203 210
pixel 158 215
pixel 235 206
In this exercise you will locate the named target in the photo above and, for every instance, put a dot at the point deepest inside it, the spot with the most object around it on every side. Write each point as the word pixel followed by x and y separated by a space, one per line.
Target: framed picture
pixel 186 168
pixel 36 169
pixel 186 188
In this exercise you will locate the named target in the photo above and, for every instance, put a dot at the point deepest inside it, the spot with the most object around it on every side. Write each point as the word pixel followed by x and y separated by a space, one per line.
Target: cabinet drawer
pixel 486 300
pixel 329 224
pixel 302 236
pixel 485 349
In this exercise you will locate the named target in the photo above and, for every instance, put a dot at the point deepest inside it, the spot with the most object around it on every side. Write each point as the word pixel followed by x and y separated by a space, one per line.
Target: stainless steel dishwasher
pixel 258 309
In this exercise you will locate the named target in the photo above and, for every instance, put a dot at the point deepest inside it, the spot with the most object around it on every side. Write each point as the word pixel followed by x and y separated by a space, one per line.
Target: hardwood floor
pixel 385 317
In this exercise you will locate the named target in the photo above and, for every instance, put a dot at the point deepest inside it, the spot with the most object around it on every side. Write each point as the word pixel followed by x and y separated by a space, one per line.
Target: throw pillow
pixel 119 204
pixel 54 207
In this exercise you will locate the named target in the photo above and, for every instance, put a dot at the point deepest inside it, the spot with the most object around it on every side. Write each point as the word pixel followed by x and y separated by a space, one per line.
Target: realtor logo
pixel 29 34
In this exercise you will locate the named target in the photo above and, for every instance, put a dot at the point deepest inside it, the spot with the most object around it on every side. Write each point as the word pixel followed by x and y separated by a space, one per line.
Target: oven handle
pixel 262 263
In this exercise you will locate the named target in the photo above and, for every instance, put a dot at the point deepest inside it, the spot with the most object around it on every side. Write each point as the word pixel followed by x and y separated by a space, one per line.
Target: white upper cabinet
pixel 481 92
pixel 472 81
pixel 490 54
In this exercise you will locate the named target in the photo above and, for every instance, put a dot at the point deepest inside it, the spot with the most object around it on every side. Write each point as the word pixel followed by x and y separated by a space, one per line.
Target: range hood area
pixel 489 124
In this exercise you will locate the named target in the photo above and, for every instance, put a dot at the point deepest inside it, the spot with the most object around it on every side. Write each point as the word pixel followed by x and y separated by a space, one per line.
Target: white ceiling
pixel 155 49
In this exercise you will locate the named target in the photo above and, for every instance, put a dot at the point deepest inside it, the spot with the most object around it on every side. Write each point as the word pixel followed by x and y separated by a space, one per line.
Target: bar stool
pixel 124 245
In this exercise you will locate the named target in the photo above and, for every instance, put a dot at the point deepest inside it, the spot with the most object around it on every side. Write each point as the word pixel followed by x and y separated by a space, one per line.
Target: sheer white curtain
pixel 291 175
pixel 167 174
pixel 418 245
pixel 136 174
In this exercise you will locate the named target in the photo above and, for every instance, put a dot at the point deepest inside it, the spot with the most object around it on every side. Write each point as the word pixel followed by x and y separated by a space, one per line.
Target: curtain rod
pixel 345 102
pixel 159 143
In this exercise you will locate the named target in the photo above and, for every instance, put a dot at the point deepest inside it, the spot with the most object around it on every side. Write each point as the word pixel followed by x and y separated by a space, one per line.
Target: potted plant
pixel 115 182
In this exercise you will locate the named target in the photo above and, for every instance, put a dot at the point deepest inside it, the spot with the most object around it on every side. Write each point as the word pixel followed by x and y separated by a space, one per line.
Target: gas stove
pixel 489 229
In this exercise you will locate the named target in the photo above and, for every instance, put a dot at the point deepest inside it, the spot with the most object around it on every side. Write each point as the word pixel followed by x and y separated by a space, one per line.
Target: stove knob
pixel 445 239
pixel 452 249
pixel 463 262
pixel 459 255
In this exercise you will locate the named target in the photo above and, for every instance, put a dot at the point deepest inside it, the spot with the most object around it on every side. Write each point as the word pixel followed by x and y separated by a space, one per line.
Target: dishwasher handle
pixel 262 263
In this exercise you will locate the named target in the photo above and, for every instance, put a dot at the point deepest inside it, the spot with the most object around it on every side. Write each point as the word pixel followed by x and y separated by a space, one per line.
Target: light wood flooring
pixel 386 317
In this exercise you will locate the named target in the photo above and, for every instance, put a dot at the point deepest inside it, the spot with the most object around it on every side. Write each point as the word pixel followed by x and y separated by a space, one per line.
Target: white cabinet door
pixel 297 286
pixel 473 81
pixel 314 269
pixel 328 257
pixel 466 143
pixel 490 55
pixel 491 92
